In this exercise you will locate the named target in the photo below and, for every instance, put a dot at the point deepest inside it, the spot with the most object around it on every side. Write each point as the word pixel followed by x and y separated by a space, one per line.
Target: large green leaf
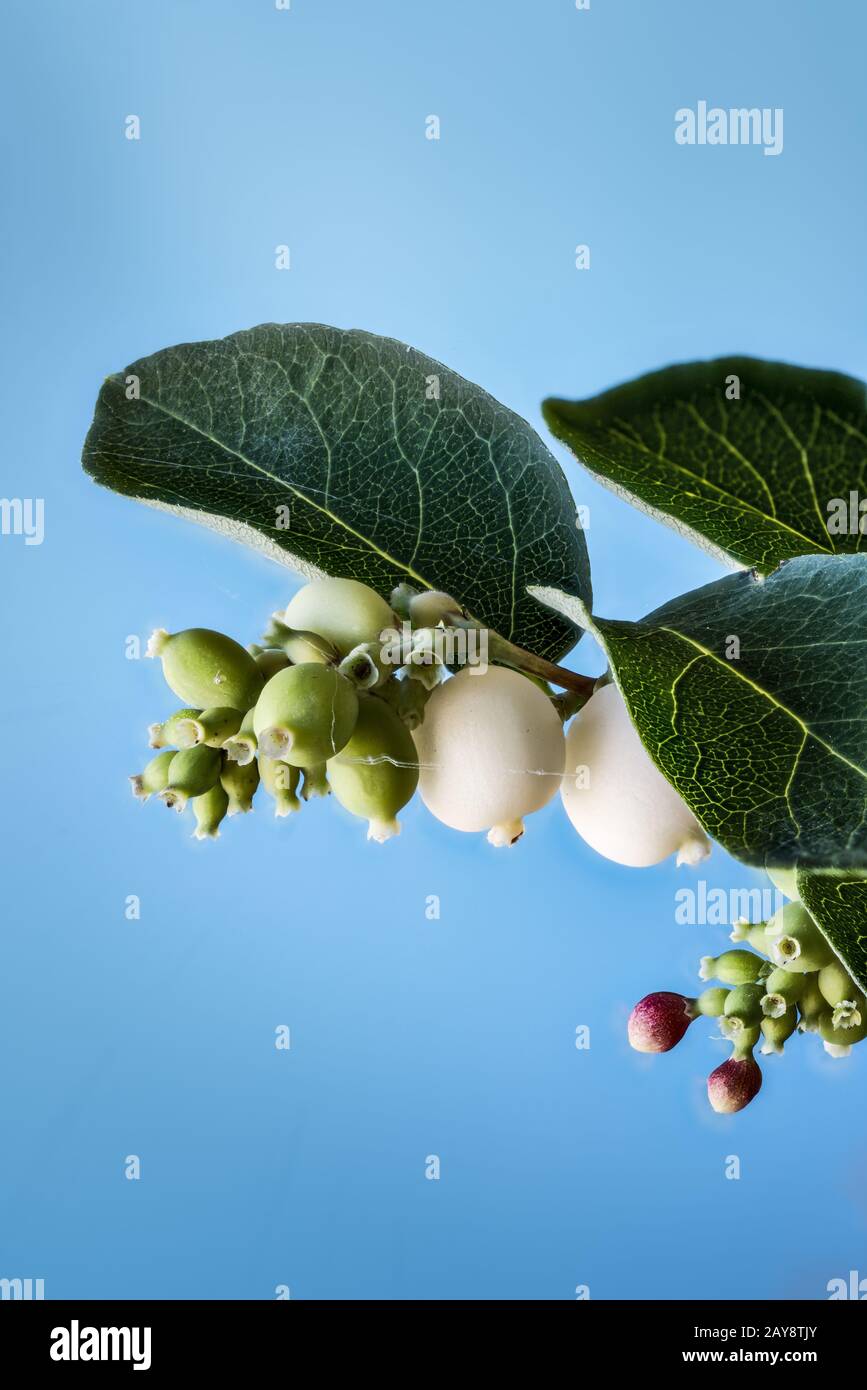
pixel 756 480
pixel 751 696
pixel 838 902
pixel 343 453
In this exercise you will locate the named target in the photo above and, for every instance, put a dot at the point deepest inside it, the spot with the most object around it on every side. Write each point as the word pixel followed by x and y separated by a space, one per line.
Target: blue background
pixel 306 1168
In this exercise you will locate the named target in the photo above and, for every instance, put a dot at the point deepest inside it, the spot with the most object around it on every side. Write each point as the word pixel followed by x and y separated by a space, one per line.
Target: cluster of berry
pixel 300 714
pixel 349 692
pixel 791 981
pixel 339 700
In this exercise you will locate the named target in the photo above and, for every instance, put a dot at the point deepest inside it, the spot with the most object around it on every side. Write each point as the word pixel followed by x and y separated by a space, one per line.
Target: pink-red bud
pixel 734 1084
pixel 659 1021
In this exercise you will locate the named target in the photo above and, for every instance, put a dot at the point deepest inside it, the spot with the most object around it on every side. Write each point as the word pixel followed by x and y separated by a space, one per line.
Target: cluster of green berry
pixel 349 693
pixel 790 981
pixel 312 711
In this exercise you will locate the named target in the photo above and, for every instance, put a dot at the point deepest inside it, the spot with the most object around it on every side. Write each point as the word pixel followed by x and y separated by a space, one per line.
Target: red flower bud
pixel 734 1084
pixel 659 1021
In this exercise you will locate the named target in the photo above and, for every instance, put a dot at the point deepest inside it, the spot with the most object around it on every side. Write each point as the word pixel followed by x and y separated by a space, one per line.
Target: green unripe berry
pixel 786 916
pixel 732 967
pixel 800 947
pixel 192 772
pixel 754 935
pixel 432 608
pixel 305 714
pixel 400 599
pixel 811 1004
pixel 239 781
pixel 270 660
pixel 837 984
pixel 209 810
pixel 344 611
pixel 786 881
pixel 298 645
pixel 744 1004
pixel 838 1040
pixel 211 726
pixel 777 1029
pixel 165 735
pixel 848 1002
pixel 207 668
pixel 242 747
pixel 376 773
pixel 711 1002
pixel 786 985
pixel 154 778
pixel 315 781
pixel 280 780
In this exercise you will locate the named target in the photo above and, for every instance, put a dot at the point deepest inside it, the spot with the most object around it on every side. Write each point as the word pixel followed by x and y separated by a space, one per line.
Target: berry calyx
pixel 848 1003
pixel 210 726
pixel 743 1008
pixel 242 747
pixel 305 714
pixel 838 1039
pixel 777 1029
pixel 164 735
pixel 754 935
pixel 799 946
pixel 783 987
pixel 364 667
pixel 154 778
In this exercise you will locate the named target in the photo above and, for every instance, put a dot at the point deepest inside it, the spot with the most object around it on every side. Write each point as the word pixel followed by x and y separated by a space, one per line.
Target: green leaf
pixel 754 480
pixel 388 466
pixel 838 903
pixel 750 695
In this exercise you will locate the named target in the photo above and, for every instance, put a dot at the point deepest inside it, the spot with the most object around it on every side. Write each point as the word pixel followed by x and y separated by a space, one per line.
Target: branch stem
pixel 506 653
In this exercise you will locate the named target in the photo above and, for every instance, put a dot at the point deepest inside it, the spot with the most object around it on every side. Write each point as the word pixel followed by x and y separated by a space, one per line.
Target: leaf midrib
pixel 733 501
pixel 283 482
pixel 760 690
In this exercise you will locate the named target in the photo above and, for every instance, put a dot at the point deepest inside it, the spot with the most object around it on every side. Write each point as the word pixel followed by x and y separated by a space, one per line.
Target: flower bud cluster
pixel 790 983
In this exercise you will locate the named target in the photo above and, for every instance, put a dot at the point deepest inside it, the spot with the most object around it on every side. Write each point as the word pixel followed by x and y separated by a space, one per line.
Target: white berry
pixel 491 751
pixel 615 796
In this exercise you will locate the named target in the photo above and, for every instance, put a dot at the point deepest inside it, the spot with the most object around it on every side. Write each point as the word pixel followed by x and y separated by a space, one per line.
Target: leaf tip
pixel 567 605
